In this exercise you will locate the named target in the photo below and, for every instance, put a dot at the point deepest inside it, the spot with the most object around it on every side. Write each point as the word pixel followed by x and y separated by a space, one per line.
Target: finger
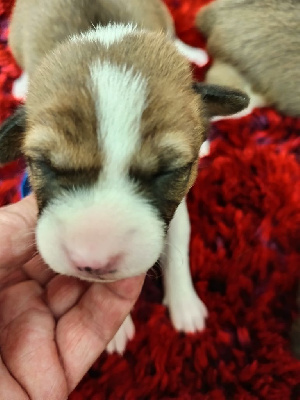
pixel 84 332
pixel 30 354
pixel 9 387
pixel 15 299
pixel 63 292
pixel 11 278
pixel 17 225
pixel 36 269
pixel 27 342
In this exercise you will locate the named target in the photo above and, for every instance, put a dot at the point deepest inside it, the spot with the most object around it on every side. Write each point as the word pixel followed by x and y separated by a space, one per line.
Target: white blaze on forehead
pixel 106 35
pixel 120 100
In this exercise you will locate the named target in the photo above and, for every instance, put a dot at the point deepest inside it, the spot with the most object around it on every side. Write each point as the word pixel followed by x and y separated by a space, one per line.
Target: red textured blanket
pixel 245 257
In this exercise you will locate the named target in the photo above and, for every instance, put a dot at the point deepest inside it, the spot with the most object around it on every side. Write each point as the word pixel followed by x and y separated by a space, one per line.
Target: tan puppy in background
pixel 111 131
pixel 256 48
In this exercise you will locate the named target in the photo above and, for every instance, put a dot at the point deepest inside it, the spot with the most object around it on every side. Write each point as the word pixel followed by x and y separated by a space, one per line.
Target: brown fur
pixel 261 40
pixel 60 141
pixel 70 141
pixel 35 28
pixel 65 105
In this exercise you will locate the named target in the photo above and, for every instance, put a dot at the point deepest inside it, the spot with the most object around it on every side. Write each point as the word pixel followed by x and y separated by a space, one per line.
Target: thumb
pixel 17 232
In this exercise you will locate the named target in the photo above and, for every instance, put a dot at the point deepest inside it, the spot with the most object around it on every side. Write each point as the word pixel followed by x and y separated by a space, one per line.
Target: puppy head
pixel 113 129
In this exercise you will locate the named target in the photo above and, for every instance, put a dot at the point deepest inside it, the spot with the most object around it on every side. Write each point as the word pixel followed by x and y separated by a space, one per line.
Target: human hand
pixel 52 327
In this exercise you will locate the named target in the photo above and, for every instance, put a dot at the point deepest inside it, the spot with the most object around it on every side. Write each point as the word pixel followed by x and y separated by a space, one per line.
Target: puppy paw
pixel 123 336
pixel 204 149
pixel 193 54
pixel 197 56
pixel 187 314
pixel 20 86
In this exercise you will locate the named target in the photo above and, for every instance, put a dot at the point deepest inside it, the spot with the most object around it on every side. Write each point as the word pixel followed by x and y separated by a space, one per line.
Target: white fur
pixel 106 35
pixel 120 96
pixel 122 337
pixel 197 56
pixel 20 86
pixel 204 149
pixel 188 312
pixel 89 227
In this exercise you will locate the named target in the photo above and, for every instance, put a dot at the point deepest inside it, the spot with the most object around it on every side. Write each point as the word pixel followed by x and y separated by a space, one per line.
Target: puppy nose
pixel 97 268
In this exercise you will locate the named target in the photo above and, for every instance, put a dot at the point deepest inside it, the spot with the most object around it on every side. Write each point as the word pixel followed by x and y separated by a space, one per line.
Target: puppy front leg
pixel 187 311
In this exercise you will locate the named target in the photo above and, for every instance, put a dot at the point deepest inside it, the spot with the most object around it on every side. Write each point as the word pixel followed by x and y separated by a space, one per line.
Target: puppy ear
pixel 220 100
pixel 11 135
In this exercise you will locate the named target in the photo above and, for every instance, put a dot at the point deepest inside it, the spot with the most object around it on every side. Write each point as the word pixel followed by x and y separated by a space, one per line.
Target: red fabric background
pixel 245 257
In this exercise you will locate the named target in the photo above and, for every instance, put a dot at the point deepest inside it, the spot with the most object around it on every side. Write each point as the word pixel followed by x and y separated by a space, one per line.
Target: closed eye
pixel 45 167
pixel 41 166
pixel 176 171
pixel 162 174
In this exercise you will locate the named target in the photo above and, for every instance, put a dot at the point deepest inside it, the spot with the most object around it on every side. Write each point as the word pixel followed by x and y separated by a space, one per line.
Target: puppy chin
pixel 114 278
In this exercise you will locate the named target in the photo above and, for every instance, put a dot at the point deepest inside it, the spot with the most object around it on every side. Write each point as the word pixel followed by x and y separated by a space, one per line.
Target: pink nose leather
pixel 95 268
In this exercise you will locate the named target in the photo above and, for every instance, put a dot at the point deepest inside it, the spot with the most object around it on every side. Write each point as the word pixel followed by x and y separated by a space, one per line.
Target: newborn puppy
pixel 256 48
pixel 111 132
